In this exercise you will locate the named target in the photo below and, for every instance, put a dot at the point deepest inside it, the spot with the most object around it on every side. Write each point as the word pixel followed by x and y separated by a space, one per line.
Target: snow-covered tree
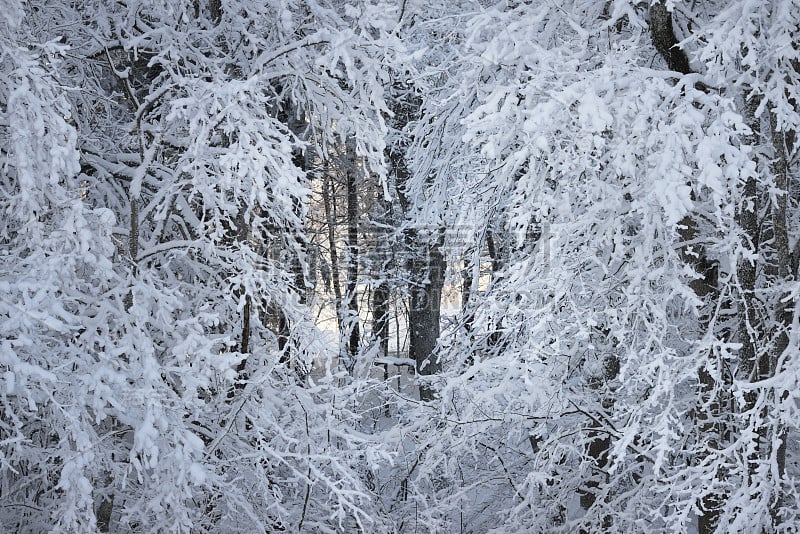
pixel 616 169
pixel 153 198
pixel 616 183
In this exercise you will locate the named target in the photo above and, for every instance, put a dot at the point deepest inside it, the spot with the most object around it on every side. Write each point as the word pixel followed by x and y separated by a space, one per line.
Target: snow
pixel 623 358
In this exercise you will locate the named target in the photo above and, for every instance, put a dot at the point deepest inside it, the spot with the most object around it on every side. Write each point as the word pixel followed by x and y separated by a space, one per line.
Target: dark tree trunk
pixel 497 258
pixel 663 36
pixel 709 413
pixel 598 439
pixel 351 295
pixel 467 280
pixel 424 261
pixel 427 269
pixel 751 366
pixel 382 249
pixel 330 221
pixel 783 144
pixel 283 333
pixel 380 317
pixel 746 270
pixel 380 324
pixel 104 512
pixel 244 345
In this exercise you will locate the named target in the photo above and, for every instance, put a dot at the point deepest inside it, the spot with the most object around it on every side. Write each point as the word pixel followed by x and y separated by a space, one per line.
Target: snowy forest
pixel 400 266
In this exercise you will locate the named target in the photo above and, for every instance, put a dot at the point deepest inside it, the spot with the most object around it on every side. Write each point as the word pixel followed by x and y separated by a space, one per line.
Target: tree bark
pixel 104 510
pixel 746 270
pixel 467 280
pixel 427 269
pixel 705 285
pixel 330 221
pixel 382 249
pixel 424 261
pixel 663 36
pixel 380 322
pixel 497 258
pixel 599 441
pixel 783 144
pixel 351 295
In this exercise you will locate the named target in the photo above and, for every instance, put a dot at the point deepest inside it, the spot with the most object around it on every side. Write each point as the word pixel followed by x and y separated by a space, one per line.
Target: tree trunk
pixel 351 295
pixel 783 143
pixel 244 345
pixel 382 250
pixel 663 36
pixel 330 221
pixel 599 441
pixel 750 326
pixel 104 510
pixel 380 323
pixel 497 264
pixel 705 286
pixel 424 261
pixel 467 281
pixel 746 270
pixel 427 269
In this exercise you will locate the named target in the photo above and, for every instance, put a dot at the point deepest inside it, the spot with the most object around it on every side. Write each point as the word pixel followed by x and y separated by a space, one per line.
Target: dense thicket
pixel 613 185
